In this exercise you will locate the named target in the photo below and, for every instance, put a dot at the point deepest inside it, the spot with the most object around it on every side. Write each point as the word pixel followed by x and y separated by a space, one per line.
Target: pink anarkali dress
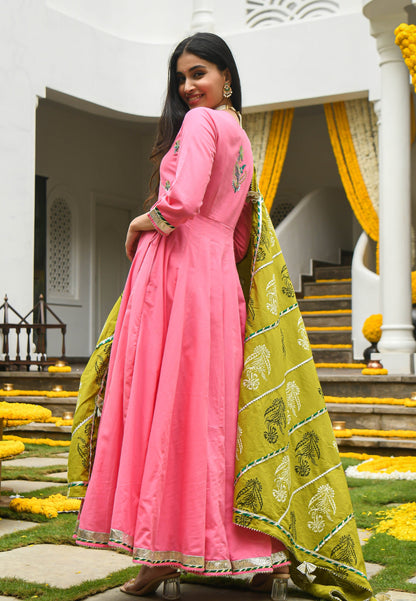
pixel 162 482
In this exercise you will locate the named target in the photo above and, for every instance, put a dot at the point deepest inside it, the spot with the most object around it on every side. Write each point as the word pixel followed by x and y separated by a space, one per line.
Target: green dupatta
pixel 289 480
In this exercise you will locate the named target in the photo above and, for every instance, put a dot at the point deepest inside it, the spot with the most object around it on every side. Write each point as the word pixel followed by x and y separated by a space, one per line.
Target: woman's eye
pixel 199 74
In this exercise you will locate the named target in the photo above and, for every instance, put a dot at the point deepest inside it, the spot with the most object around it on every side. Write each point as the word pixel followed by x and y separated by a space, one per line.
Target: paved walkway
pixel 74 565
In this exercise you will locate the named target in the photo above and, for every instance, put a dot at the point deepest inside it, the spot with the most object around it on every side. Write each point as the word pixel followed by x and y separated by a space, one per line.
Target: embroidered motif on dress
pixel 176 146
pixel 239 171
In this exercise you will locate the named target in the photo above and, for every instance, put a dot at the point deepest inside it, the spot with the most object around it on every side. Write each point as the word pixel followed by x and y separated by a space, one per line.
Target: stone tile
pixel 71 565
pixel 10 526
pixel 364 535
pixel 373 569
pixel 35 462
pixel 8 598
pixel 63 475
pixel 197 592
pixel 401 596
pixel 65 455
pixel 21 486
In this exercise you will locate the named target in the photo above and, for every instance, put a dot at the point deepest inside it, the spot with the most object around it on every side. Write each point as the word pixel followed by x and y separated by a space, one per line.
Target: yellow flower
pixel 10 448
pixel 50 506
pixel 371 371
pixel 45 441
pixel 23 411
pixel 48 393
pixel 372 327
pixel 59 368
pixel 399 522
pixel 341 365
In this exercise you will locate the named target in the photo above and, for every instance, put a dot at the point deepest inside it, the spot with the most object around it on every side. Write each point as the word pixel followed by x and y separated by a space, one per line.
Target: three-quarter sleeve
pixel 192 154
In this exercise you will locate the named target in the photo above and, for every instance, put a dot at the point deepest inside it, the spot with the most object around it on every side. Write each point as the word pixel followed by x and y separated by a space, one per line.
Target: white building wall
pixel 92 161
pixel 109 57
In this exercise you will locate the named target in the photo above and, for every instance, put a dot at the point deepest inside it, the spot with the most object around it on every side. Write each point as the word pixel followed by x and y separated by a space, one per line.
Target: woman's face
pixel 200 83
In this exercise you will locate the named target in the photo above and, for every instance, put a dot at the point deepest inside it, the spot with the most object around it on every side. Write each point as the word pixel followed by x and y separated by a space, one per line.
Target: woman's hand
pixel 139 224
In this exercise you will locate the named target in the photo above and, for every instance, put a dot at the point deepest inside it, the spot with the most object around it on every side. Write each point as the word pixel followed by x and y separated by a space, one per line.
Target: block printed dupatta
pixel 289 480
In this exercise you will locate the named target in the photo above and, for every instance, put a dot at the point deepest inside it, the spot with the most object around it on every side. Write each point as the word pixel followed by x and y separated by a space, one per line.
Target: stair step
pixel 334 355
pixel 328 319
pixel 41 380
pixel 326 287
pixel 56 405
pixel 379 446
pixel 354 384
pixel 329 336
pixel 40 431
pixel 374 417
pixel 323 303
pixel 333 271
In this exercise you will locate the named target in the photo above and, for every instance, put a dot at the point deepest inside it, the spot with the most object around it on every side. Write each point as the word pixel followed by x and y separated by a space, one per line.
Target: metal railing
pixel 35 336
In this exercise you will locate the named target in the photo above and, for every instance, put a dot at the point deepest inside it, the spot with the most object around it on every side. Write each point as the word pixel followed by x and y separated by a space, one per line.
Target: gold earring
pixel 227 91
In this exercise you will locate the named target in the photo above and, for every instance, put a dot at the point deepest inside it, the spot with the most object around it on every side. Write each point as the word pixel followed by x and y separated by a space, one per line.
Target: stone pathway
pixel 74 565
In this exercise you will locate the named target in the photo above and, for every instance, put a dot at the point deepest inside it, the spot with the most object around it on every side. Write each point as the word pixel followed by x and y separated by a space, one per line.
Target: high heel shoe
pixel 279 587
pixel 171 586
pixel 275 583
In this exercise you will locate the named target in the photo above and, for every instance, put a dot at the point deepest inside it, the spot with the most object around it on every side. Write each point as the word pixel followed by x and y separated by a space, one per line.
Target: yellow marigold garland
pixel 46 441
pixel 325 346
pixel 406 40
pixel 10 448
pixel 349 432
pixel 59 369
pixel 332 312
pixel 399 522
pixel 23 411
pixel 48 393
pixel 361 456
pixel 370 401
pixel 327 296
pixel 349 169
pixel 388 465
pixel 275 154
pixel 374 371
pixel 372 327
pixel 328 328
pixel 49 506
pixel 341 365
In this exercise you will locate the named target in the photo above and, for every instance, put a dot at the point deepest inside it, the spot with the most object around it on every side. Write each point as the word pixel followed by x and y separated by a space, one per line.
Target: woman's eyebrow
pixel 192 69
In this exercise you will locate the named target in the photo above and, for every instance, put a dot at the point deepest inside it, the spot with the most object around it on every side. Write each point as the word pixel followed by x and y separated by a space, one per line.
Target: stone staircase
pixel 325 303
pixel 43 380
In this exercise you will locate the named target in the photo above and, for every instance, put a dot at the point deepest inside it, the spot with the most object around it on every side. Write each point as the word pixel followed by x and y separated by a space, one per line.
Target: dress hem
pixel 188 563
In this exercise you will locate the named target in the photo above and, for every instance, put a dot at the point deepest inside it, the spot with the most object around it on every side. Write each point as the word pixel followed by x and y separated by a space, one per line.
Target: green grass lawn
pixel 398 557
pixel 368 497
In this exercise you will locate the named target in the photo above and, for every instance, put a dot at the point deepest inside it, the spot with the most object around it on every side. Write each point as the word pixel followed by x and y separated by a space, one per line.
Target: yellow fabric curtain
pixel 275 154
pixel 349 168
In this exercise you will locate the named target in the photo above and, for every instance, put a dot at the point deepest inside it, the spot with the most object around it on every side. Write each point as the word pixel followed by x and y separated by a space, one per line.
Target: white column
pixel 202 16
pixel 397 345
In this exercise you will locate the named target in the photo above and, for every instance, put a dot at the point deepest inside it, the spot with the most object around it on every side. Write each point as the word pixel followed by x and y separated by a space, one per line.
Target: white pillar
pixel 202 16
pixel 397 345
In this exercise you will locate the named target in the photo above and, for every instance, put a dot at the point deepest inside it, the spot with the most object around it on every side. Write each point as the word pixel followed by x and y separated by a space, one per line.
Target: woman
pixel 187 357
pixel 162 484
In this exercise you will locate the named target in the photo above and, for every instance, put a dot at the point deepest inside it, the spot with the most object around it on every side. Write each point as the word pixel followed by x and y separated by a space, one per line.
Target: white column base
pixel 397 338
pixel 397 363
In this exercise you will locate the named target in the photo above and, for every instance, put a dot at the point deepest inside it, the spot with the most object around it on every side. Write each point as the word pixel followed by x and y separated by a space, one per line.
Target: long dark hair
pixel 211 48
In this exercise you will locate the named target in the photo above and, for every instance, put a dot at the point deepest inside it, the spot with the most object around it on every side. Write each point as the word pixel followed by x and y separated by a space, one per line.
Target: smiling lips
pixel 193 99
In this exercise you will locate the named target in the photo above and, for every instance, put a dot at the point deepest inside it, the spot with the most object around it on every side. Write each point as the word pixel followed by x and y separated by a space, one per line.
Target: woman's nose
pixel 189 86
